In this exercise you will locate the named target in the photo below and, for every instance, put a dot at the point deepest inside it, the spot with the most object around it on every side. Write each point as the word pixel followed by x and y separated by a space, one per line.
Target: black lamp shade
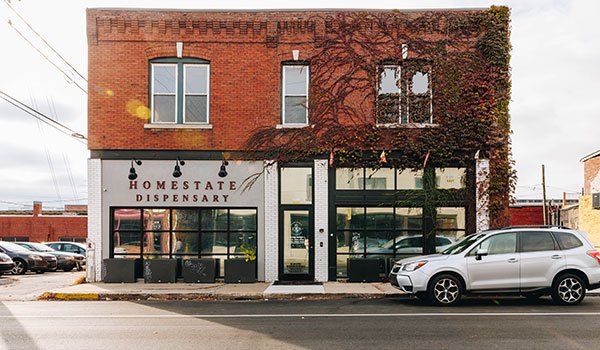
pixel 177 171
pixel 132 174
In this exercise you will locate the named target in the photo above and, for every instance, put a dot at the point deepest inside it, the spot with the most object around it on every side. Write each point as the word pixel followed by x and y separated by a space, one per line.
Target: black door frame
pixel 311 244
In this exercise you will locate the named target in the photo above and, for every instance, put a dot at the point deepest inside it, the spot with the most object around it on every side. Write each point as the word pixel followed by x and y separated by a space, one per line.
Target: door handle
pixel 513 260
pixel 556 257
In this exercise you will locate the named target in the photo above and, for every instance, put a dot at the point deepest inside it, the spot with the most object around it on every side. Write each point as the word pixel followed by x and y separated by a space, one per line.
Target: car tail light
pixel 594 254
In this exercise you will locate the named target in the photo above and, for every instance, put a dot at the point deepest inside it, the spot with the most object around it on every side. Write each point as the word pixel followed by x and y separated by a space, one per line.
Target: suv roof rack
pixel 537 226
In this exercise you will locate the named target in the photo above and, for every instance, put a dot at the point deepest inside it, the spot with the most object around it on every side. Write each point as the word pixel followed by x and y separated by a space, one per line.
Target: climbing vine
pixel 464 58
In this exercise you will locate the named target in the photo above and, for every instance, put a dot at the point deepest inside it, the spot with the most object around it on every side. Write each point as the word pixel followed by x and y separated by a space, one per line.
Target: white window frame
pixel 284 94
pixel 430 92
pixel 398 68
pixel 185 94
pixel 163 94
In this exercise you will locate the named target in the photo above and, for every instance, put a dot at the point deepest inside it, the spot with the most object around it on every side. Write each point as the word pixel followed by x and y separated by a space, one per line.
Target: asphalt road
pixel 299 324
pixel 31 285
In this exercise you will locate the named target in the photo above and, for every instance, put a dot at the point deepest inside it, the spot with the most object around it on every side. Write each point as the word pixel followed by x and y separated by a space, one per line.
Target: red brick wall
pixel 245 50
pixel 43 228
pixel 591 168
pixel 530 215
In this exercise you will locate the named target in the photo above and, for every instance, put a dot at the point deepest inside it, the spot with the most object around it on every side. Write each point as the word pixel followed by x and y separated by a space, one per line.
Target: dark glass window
pixel 536 242
pixel 567 240
pixel 505 243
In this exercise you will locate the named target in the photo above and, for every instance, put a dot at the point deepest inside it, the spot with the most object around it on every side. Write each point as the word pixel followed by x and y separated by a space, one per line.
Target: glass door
pixel 296 245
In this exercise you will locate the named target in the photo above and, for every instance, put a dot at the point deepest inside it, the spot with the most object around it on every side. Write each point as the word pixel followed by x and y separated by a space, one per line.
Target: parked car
pixel 23 259
pixel 66 261
pixel 71 247
pixel 6 263
pixel 529 261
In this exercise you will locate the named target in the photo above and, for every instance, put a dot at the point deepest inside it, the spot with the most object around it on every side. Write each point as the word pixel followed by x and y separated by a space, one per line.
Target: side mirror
pixel 480 252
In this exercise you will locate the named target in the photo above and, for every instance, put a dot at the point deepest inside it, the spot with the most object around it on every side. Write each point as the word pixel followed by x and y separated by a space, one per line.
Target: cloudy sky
pixel 555 74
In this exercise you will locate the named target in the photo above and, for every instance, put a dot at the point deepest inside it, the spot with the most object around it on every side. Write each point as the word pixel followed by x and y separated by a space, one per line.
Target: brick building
pixel 187 108
pixel 589 202
pixel 36 225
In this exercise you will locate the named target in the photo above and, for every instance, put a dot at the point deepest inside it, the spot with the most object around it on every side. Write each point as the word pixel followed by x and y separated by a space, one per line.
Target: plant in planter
pixel 241 270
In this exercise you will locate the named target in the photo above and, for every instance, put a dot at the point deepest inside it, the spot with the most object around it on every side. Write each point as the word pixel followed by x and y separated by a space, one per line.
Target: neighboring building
pixel 309 136
pixel 44 226
pixel 589 202
pixel 526 214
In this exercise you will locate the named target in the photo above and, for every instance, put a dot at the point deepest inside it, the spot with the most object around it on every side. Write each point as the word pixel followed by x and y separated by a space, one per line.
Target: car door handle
pixel 513 260
pixel 556 257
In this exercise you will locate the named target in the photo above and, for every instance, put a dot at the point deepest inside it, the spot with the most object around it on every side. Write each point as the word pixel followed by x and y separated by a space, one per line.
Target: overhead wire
pixel 45 42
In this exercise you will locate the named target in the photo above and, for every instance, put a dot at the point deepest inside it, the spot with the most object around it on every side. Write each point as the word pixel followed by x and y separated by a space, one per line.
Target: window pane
pixel 127 219
pixel 296 79
pixel 196 79
pixel 505 243
pixel 536 241
pixel 185 242
pixel 389 78
pixel 156 219
pixel 156 242
pixel 567 240
pixel 185 219
pixel 164 79
pixel 407 244
pixel 213 219
pixel 348 179
pixel 164 109
pixel 237 239
pixel 296 185
pixel 376 242
pixel 242 219
pixel 420 83
pixel 295 110
pixel 213 242
pixel 350 218
pixel 450 218
pixel 409 180
pixel 343 238
pixel 380 179
pixel 195 109
pixel 451 177
pixel 409 218
pixel 380 218
pixel 126 242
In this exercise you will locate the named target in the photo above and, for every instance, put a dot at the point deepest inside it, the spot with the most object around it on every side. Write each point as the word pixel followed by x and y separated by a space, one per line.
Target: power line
pixel 42 117
pixel 45 42
pixel 47 59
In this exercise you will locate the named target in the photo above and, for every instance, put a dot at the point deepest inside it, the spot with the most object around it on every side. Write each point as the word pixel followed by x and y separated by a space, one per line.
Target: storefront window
pixel 379 179
pixel 408 179
pixel 450 222
pixel 296 185
pixel 349 179
pixel 217 233
pixel 451 178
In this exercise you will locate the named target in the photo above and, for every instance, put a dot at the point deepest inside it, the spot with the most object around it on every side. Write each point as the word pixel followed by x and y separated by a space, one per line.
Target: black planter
pixel 160 270
pixel 240 271
pixel 198 270
pixel 363 270
pixel 118 271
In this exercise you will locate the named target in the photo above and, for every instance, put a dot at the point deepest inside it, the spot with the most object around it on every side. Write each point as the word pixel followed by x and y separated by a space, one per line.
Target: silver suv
pixel 526 260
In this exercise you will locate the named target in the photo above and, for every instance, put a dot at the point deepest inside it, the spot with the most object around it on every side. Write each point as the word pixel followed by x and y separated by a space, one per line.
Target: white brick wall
pixel 95 216
pixel 271 248
pixel 482 183
pixel 321 229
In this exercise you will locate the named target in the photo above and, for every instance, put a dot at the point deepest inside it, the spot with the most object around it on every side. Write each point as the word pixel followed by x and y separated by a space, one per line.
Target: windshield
pixel 11 247
pixel 461 245
pixel 41 247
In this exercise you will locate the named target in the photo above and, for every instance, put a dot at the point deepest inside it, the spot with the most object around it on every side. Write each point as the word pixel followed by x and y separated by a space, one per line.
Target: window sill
pixel 293 126
pixel 177 126
pixel 408 126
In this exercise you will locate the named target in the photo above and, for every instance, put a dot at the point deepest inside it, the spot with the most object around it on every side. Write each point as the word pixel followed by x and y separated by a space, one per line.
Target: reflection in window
pixel 388 99
pixel 349 179
pixel 408 179
pixel 156 219
pixel 450 222
pixel 296 185
pixel 379 179
pixel 448 178
pixel 295 94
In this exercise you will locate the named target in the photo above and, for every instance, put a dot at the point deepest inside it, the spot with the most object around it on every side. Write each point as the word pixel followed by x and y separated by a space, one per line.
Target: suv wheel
pixel 568 289
pixel 19 267
pixel 445 290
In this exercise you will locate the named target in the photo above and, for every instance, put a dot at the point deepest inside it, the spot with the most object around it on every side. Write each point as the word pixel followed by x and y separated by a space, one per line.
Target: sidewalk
pixel 219 291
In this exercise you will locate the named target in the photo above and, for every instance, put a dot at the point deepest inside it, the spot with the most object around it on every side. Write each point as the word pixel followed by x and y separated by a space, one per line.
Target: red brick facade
pixel 526 215
pixel 591 169
pixel 43 226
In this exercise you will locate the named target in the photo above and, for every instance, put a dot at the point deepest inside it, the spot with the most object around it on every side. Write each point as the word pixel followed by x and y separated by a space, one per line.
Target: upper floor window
pixel 404 94
pixel 180 90
pixel 295 94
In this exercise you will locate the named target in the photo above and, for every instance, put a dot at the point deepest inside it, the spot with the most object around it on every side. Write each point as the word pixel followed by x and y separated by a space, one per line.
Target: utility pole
pixel 544 194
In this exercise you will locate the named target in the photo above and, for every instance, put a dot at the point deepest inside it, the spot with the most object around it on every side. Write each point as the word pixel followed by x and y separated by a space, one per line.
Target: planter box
pixel 240 271
pixel 160 270
pixel 198 270
pixel 118 271
pixel 363 270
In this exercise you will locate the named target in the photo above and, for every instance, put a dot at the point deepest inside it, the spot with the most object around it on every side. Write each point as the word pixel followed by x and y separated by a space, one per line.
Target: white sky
pixel 555 74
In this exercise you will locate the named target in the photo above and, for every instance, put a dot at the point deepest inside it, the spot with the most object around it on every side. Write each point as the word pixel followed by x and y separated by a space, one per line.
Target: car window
pixel 442 241
pixel 504 243
pixel 567 240
pixel 537 241
pixel 410 242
